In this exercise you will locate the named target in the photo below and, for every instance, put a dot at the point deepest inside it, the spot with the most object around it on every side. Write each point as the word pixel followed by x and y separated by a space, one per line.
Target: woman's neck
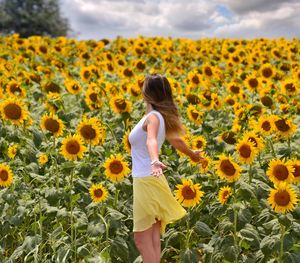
pixel 148 108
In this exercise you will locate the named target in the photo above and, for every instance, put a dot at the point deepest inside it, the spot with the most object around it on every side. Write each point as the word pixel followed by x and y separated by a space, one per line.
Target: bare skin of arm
pixel 151 125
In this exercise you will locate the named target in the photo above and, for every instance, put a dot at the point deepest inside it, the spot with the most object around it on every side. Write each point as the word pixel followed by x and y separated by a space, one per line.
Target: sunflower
pixel 6 175
pixel 205 164
pixel 257 141
pixel 93 99
pixel 224 193
pixel 98 193
pixel 52 87
pixel 73 86
pixel 194 114
pixel 119 104
pixel 72 147
pixel 267 70
pixel 192 98
pixel 43 159
pixel 234 88
pixel 246 151
pixel 116 168
pixel 85 73
pixel 208 70
pixel 228 137
pixel 134 90
pixel 265 125
pixel 14 89
pixel 194 79
pixel 284 127
pixel 127 73
pixel 252 82
pixel 296 166
pixel 289 87
pixel 51 123
pixel 188 193
pixel 12 151
pixel 227 168
pixel 13 109
pixel 126 143
pixel 91 131
pixel 283 198
pixel 198 142
pixel 140 65
pixel 280 171
pixel 230 100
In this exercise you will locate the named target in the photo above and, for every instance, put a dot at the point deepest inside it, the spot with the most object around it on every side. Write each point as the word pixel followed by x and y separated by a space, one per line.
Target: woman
pixel 154 205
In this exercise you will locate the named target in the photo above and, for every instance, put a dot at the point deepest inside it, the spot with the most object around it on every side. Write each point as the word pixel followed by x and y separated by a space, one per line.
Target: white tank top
pixel 141 162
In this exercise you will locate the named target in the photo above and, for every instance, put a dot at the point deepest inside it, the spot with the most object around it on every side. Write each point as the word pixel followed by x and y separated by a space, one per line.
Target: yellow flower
pixel 224 194
pixel 13 109
pixel 72 147
pixel 194 115
pixel 14 89
pixel 93 99
pixel 91 131
pixel 284 127
pixel 252 82
pixel 283 198
pixel 188 193
pixel 119 104
pixel 86 73
pixel 43 159
pixel 246 151
pixel 227 169
pixel 296 166
pixel 257 141
pixel 6 175
pixel 267 70
pixel 227 137
pixel 289 87
pixel 116 168
pixel 51 123
pixel 205 164
pixel 280 171
pixel 126 143
pixel 73 86
pixel 98 193
pixel 265 125
pixel 198 142
pixel 12 151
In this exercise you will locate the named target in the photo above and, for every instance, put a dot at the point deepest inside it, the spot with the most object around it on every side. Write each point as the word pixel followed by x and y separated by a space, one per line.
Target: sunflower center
pixel 266 125
pixel 282 198
pixel 116 167
pixel 227 168
pixel 195 79
pixel 253 83
pixel 204 163
pixel 225 194
pixel 128 73
pixel 120 104
pixel 199 144
pixel 266 101
pixel 235 89
pixel 52 125
pixel 52 87
pixel 140 65
pixel 3 175
pixel 193 99
pixel 208 71
pixel 281 172
pixel 267 72
pixel 194 115
pixel 228 137
pixel 281 125
pixel 73 147
pixel 290 87
pixel 98 193
pixel 88 132
pixel 86 74
pixel 230 102
pixel 13 111
pixel 93 97
pixel 75 87
pixel 245 151
pixel 188 193
pixel 15 88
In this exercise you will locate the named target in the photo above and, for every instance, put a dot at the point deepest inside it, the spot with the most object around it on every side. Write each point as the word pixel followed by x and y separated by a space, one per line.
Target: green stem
pixel 272 148
pixel 234 220
pixel 106 225
pixel 188 231
pixel 280 259
pixel 250 173
pixel 116 198
pixel 71 215
pixel 41 228
pixel 112 132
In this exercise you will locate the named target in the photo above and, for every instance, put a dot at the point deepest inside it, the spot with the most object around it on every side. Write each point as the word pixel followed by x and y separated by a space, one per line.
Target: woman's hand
pixel 196 156
pixel 157 168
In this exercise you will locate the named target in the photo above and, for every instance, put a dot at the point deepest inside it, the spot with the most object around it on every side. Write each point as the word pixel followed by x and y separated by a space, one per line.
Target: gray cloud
pixel 243 7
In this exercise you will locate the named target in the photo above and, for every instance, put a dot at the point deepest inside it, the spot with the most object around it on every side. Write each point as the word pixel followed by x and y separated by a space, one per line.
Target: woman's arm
pixel 180 145
pixel 151 126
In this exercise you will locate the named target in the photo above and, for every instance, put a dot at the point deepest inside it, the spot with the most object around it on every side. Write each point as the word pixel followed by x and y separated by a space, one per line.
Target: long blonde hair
pixel 157 92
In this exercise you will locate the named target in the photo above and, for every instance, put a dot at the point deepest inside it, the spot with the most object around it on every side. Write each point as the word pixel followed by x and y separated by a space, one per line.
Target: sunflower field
pixel 67 107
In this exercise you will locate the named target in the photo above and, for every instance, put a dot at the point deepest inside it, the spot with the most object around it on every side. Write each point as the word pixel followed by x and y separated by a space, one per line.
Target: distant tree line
pixel 32 17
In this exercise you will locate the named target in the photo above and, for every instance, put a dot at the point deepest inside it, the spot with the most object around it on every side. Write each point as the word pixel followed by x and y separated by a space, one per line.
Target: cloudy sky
pixel 96 19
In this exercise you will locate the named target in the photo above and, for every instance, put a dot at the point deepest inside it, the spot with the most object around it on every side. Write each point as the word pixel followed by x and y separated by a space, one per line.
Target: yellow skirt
pixel 153 200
